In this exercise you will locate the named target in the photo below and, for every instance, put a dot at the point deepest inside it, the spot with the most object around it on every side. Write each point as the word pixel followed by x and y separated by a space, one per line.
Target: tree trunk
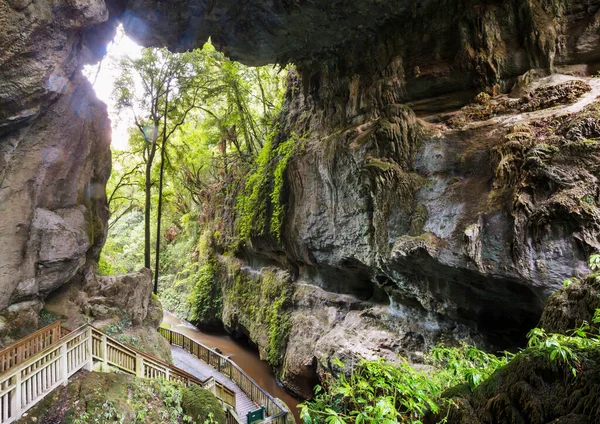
pixel 160 190
pixel 159 212
pixel 147 263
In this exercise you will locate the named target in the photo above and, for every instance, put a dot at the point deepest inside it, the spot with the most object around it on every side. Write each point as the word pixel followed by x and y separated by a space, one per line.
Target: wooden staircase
pixel 34 366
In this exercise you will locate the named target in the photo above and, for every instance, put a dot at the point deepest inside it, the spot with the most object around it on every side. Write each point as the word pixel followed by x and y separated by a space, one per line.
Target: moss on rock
pixel 118 398
pixel 531 389
pixel 258 304
pixel 569 307
pixel 200 405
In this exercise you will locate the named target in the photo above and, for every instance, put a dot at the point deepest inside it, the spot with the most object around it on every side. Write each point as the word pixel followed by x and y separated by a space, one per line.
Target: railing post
pixel 139 365
pixel 168 374
pixel 90 365
pixel 104 352
pixel 64 365
pixel 16 405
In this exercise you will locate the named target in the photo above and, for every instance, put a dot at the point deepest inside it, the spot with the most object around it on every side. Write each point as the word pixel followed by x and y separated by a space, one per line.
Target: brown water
pixel 246 358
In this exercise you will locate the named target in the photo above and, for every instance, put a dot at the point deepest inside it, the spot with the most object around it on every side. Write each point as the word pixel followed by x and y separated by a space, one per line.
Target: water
pixel 246 358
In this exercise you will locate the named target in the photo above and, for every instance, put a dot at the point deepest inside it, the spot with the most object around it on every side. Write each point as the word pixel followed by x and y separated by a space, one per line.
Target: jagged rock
pixel 531 389
pixel 101 298
pixel 122 306
pixel 568 308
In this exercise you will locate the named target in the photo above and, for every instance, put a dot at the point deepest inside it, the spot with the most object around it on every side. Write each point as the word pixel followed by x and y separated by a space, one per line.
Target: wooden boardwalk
pixel 189 363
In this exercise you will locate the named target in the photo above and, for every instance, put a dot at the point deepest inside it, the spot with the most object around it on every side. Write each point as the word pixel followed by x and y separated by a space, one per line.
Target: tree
pixel 161 88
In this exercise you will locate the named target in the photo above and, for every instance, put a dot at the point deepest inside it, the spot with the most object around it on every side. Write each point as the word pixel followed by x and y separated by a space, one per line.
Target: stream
pixel 245 357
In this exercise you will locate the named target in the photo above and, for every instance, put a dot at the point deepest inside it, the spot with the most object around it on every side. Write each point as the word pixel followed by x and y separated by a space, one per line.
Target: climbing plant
pixel 263 189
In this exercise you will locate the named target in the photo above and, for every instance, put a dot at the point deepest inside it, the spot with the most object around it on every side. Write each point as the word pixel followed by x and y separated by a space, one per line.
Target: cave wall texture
pixel 400 229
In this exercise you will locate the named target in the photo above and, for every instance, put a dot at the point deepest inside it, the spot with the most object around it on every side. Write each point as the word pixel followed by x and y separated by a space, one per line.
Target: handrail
pixel 29 346
pixel 275 412
pixel 154 359
pixel 29 381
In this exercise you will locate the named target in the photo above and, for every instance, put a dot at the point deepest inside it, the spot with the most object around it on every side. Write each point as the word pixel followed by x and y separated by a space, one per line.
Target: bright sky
pixel 103 82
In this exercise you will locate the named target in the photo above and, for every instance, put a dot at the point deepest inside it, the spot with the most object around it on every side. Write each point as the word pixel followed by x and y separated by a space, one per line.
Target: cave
pixel 400 195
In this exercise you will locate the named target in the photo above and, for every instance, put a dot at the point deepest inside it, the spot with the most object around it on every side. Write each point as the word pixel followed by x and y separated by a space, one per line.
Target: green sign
pixel 256 415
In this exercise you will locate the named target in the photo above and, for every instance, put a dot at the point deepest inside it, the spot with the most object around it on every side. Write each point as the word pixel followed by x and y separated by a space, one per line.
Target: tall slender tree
pixel 160 88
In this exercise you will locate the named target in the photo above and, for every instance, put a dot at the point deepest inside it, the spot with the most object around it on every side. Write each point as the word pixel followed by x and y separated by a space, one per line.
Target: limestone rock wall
pixel 54 147
pixel 416 210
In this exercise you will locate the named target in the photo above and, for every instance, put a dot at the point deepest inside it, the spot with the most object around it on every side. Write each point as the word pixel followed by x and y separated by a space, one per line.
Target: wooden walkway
pixel 200 369
pixel 36 365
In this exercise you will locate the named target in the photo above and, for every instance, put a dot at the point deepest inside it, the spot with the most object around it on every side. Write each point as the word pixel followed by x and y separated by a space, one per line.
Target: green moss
pixel 284 153
pixel 381 164
pixel 261 304
pixel 418 220
pixel 47 317
pixel 252 204
pixel 117 398
pixel 260 208
pixel 206 296
pixel 201 406
pixel 194 293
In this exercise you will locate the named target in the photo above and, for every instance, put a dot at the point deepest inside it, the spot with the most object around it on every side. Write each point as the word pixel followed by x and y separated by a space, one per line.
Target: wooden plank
pixel 203 371
pixel 29 346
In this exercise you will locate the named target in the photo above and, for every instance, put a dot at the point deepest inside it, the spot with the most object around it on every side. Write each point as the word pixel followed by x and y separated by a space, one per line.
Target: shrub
pixel 201 405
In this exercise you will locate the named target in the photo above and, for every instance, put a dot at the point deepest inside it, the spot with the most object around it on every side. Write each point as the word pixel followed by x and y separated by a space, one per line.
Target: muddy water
pixel 246 358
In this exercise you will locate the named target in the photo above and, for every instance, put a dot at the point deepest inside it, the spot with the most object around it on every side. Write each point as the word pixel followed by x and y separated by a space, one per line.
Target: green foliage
pixel 123 251
pixel 381 392
pixel 202 406
pixel 275 295
pixel 194 292
pixel 374 392
pixel 284 153
pixel 268 174
pixel 594 262
pixel 260 302
pixel 206 295
pixel 252 205
pixel 465 364
pixel 561 347
pixel 112 398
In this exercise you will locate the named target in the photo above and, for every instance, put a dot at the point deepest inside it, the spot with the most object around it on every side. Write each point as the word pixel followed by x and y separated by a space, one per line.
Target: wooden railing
pixel 31 376
pixel 29 346
pixel 232 418
pixel 275 412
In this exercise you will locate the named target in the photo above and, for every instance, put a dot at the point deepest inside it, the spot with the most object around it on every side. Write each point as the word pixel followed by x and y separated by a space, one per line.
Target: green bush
pixel 382 392
pixel 201 405
pixel 207 303
pixel 264 189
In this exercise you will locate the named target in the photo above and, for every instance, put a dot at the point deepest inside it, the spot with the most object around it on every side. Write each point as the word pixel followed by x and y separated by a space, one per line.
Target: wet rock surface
pixel 404 231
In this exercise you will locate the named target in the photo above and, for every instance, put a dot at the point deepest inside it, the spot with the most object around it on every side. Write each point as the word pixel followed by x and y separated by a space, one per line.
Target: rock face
pixel 453 226
pixel 122 306
pixel 532 388
pixel 54 148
